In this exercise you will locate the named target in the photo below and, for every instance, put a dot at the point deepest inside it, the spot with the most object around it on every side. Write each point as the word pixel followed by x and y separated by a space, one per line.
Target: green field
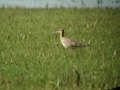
pixel 32 58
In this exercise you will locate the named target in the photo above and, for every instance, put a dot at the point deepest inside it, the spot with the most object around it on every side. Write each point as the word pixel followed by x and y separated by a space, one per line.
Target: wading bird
pixel 68 43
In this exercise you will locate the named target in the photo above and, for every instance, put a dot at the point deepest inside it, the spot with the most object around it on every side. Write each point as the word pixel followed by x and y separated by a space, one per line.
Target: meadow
pixel 32 58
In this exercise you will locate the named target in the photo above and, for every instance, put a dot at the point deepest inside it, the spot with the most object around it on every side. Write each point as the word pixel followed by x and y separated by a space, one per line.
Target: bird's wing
pixel 71 42
pixel 76 43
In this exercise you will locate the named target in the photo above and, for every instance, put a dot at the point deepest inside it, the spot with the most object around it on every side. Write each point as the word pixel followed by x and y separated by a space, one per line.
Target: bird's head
pixel 61 31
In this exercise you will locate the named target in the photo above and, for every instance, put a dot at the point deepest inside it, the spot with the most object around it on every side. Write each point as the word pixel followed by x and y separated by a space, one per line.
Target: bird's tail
pixel 82 45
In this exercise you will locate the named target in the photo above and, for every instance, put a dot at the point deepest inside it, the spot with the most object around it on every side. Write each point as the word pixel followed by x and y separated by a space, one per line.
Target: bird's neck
pixel 61 35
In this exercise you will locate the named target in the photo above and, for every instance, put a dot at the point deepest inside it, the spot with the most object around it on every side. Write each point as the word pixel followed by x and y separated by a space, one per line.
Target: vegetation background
pixel 32 58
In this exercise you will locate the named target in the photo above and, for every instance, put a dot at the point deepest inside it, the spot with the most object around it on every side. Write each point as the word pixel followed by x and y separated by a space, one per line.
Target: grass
pixel 32 58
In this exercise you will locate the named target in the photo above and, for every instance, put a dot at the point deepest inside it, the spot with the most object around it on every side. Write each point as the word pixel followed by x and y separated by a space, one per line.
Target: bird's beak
pixel 54 32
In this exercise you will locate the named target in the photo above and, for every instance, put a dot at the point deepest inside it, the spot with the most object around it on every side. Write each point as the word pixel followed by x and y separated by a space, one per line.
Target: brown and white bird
pixel 68 43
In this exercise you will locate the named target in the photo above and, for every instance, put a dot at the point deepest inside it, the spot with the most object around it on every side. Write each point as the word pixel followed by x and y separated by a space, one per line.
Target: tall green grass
pixel 32 58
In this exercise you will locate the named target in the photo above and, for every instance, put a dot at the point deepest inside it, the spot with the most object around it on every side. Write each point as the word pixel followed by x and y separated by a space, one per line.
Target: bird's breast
pixel 65 43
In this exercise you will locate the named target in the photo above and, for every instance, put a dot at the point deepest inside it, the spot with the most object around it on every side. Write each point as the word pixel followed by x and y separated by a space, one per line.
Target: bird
pixel 68 43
